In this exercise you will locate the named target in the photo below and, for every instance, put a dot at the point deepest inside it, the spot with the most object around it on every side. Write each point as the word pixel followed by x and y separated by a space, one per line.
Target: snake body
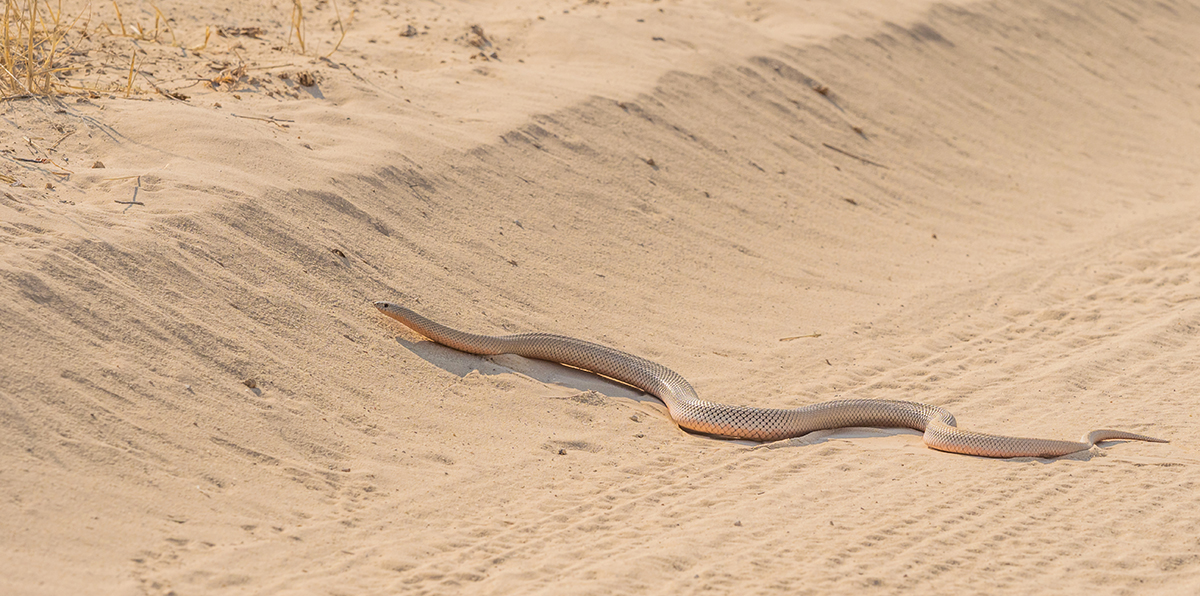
pixel 757 424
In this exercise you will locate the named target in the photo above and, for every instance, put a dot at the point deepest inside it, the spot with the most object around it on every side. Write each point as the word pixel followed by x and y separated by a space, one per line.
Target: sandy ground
pixel 987 206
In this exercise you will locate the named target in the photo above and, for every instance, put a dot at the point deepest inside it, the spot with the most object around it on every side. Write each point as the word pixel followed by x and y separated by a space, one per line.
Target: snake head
pixel 397 312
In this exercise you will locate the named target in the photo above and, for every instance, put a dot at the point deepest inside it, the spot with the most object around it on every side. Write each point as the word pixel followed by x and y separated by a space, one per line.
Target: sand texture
pixel 993 207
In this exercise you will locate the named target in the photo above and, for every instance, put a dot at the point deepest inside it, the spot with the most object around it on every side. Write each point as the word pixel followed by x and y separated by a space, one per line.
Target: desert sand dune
pixel 986 206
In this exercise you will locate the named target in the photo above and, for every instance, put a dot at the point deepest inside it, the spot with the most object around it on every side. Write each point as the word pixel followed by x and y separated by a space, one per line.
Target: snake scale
pixel 757 424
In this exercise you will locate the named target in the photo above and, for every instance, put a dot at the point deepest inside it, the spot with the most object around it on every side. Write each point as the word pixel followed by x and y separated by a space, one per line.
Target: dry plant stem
pixel 63 32
pixel 158 15
pixel 275 121
pixel 207 34
pixel 29 56
pixel 341 26
pixel 136 186
pixel 61 139
pixel 270 66
pixel 9 64
pixel 160 90
pixel 298 23
pixel 7 58
pixel 129 86
pixel 119 19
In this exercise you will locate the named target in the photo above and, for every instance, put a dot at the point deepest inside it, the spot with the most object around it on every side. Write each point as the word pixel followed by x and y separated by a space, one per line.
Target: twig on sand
pixel 273 120
pixel 136 187
pixel 36 150
pixel 848 154
pixel 61 139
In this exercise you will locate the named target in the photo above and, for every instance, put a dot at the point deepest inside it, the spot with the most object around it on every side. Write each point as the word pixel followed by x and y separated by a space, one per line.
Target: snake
pixel 693 414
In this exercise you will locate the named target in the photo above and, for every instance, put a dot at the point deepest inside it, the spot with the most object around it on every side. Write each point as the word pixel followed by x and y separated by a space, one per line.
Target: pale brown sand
pixel 1012 236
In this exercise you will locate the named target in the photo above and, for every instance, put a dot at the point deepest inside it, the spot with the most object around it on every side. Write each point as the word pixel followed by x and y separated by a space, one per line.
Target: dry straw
pixel 33 35
pixel 298 24
pixel 34 58
pixel 139 32
pixel 298 32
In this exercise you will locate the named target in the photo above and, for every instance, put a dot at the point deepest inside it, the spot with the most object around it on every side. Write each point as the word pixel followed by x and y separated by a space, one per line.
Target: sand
pixel 987 206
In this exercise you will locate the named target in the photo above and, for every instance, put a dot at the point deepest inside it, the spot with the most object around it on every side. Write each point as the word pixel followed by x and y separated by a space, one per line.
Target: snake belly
pixel 757 424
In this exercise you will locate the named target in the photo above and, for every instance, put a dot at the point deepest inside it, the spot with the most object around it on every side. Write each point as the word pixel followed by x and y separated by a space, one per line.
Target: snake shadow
pixel 462 364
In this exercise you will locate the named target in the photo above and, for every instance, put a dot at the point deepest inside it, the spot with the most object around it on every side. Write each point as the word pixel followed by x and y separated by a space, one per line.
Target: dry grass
pixel 297 31
pixel 33 36
pixel 36 57
pixel 44 52
pixel 297 24
pixel 341 26
pixel 137 31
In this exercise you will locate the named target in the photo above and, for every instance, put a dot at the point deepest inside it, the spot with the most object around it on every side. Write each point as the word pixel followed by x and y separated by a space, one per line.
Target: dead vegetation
pixel 48 50
pixel 33 39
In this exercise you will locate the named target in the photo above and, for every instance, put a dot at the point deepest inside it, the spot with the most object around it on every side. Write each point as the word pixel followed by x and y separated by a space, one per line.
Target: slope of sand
pixel 986 206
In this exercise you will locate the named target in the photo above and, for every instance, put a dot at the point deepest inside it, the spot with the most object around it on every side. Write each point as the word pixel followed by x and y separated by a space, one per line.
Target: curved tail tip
pixel 1098 436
